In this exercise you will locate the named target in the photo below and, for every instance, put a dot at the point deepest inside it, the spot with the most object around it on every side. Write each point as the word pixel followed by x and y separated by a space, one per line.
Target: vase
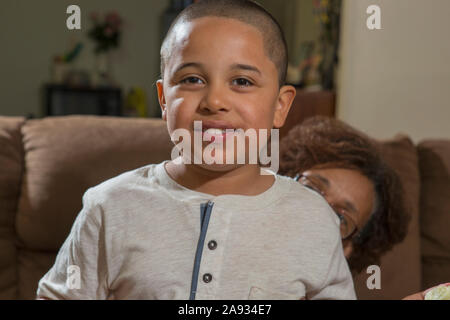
pixel 102 74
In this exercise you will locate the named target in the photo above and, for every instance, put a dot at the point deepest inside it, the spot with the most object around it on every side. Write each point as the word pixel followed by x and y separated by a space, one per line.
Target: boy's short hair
pixel 245 11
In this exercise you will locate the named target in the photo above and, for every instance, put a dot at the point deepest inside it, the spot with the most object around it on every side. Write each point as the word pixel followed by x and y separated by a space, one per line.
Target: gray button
pixel 212 245
pixel 207 277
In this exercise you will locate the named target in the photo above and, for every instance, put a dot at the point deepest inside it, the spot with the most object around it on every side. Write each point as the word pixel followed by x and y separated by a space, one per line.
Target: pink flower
pixel 113 19
pixel 109 31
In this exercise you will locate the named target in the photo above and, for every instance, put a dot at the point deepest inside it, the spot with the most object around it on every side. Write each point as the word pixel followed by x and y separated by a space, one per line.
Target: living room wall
pixel 396 79
pixel 32 32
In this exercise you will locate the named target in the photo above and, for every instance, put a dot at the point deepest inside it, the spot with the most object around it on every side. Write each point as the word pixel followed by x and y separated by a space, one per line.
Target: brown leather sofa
pixel 47 164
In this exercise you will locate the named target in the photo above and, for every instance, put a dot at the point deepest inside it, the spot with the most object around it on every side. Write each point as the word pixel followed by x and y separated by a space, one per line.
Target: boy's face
pixel 218 70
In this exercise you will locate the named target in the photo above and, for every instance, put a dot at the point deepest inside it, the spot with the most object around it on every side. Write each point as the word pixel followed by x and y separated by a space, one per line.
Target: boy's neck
pixel 243 180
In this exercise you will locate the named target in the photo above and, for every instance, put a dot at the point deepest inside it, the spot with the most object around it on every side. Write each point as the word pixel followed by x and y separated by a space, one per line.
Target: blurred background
pixel 383 82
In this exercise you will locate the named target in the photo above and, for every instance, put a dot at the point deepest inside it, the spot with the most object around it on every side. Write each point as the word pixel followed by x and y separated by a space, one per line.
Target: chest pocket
pixel 258 293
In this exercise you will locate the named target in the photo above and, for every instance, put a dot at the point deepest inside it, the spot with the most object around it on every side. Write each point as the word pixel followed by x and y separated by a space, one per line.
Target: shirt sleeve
pixel 338 283
pixel 79 271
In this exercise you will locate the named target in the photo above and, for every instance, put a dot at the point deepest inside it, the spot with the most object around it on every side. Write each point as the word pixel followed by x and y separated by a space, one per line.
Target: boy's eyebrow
pixel 188 64
pixel 235 66
pixel 245 67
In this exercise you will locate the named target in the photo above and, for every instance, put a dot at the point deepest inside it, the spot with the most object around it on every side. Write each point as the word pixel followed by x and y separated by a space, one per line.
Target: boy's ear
pixel 284 103
pixel 162 99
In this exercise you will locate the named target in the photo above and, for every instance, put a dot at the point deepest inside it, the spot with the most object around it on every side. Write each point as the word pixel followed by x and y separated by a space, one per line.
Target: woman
pixel 345 167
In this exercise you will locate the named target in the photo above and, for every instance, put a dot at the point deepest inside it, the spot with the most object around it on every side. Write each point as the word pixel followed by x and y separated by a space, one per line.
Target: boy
pixel 179 230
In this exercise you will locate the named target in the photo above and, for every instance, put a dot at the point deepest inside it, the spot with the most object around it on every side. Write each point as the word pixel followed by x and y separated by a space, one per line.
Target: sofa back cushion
pixel 11 167
pixel 400 268
pixel 64 156
pixel 434 160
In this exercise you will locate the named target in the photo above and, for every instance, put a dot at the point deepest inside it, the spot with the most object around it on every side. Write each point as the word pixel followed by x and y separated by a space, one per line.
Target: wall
pixel 32 32
pixel 296 19
pixel 396 79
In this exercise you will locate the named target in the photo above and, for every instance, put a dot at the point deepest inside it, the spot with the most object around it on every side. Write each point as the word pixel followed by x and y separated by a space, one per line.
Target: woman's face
pixel 349 193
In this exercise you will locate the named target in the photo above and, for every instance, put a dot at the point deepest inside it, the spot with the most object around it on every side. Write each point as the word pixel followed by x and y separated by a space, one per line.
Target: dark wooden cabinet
pixel 64 100
pixel 308 104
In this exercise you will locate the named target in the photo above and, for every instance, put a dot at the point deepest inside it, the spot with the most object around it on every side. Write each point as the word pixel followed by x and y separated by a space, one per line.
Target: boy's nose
pixel 215 100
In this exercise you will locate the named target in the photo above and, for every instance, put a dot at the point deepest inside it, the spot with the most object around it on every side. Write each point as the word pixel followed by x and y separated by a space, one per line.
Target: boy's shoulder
pixel 296 196
pixel 125 183
pixel 295 190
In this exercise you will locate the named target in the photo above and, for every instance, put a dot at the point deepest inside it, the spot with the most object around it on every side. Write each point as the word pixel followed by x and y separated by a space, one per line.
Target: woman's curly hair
pixel 322 142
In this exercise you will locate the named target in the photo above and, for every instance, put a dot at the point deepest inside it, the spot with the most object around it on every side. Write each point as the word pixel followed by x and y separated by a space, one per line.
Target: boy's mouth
pixel 213 125
pixel 213 130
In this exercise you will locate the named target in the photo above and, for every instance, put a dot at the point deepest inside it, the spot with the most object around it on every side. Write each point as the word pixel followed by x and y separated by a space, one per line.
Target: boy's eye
pixel 192 80
pixel 242 82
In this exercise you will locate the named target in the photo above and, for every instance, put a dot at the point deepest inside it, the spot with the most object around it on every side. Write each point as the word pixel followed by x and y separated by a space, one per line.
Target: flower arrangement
pixel 106 31
pixel 327 15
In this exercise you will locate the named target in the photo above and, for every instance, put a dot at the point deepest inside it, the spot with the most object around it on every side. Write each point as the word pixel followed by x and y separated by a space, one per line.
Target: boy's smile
pixel 218 71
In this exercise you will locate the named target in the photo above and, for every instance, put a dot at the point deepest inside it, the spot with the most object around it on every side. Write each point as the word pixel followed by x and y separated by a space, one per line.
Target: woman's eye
pixel 191 80
pixel 242 82
pixel 313 188
pixel 316 189
pixel 341 217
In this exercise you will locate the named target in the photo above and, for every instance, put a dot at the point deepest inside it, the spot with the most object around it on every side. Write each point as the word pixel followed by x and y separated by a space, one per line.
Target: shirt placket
pixel 209 254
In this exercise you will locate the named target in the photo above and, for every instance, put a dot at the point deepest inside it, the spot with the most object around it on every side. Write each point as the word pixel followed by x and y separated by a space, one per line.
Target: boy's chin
pixel 219 167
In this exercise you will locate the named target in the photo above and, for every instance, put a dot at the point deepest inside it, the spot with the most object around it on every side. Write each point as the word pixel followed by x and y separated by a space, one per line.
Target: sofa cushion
pixel 64 156
pixel 31 266
pixel 401 267
pixel 11 167
pixel 434 160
